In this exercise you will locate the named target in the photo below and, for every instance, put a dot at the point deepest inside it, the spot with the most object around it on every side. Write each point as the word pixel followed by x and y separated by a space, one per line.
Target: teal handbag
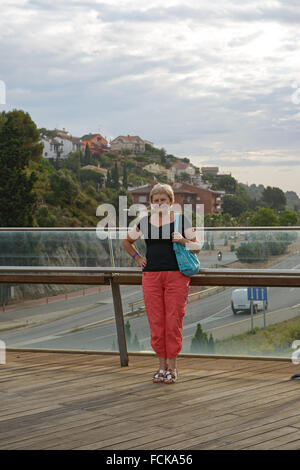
pixel 188 262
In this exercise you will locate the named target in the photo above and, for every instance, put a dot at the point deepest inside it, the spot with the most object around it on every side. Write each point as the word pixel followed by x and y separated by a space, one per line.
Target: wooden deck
pixel 87 401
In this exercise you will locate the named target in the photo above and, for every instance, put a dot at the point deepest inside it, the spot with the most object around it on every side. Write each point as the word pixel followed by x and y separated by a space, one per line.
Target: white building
pixel 181 167
pixel 60 146
pixel 157 169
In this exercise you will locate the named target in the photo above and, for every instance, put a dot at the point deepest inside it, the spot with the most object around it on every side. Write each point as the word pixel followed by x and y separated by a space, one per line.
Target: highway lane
pixel 210 312
pixel 97 307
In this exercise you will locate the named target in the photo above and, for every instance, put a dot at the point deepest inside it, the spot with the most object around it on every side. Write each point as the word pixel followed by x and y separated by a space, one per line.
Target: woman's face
pixel 161 202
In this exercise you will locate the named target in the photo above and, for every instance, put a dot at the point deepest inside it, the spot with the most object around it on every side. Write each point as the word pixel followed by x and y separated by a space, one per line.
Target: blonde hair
pixel 162 188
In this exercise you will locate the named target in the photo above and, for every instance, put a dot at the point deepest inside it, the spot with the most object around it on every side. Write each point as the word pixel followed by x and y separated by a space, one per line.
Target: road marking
pixel 209 319
pixel 294 306
pixel 33 341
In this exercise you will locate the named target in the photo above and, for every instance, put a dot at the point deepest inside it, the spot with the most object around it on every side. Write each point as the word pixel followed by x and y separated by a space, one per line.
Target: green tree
pixel 211 344
pixel 219 220
pixel 135 345
pixel 115 177
pixel 273 198
pixel 288 217
pixel 64 188
pixel 226 183
pixel 252 252
pixel 47 133
pixel 233 205
pixel 73 162
pixel 199 341
pixel 264 218
pixel 92 176
pixel 125 182
pixel 87 158
pixel 131 345
pixel 44 217
pixel 128 332
pixel 19 145
pixel 244 218
pixel 184 176
pixel 108 179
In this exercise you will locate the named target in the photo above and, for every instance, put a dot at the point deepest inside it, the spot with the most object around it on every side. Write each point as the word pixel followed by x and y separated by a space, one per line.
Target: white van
pixel 240 302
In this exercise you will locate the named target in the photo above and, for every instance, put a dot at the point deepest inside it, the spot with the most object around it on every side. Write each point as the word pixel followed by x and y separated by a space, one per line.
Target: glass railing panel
pixel 215 325
pixel 218 321
pixel 82 317
pixel 54 248
pixel 224 323
pixel 60 317
pixel 256 249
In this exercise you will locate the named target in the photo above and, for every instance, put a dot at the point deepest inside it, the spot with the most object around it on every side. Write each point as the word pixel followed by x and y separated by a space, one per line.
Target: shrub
pixel 200 343
pixel 252 252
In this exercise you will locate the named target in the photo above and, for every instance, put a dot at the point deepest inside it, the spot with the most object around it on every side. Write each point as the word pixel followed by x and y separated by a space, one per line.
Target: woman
pixel 165 288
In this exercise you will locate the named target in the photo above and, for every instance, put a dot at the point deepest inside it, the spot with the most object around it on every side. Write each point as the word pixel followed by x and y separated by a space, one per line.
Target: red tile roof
pixel 128 138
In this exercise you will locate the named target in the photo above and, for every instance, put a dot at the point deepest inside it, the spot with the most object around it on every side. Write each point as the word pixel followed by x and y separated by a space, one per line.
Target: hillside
pixel 68 194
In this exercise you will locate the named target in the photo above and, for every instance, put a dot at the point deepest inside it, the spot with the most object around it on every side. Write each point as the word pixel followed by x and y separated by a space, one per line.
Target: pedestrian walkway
pixel 87 401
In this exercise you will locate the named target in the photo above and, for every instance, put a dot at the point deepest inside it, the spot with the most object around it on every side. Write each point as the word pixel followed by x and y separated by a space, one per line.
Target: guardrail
pixel 115 277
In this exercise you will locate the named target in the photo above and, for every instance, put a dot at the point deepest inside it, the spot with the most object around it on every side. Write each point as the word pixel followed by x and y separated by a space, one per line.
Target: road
pixel 80 330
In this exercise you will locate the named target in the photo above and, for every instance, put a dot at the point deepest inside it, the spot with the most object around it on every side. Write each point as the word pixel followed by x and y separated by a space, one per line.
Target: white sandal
pixel 171 376
pixel 159 376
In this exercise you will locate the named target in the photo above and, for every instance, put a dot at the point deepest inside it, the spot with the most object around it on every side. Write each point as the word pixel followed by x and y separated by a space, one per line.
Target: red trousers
pixel 165 294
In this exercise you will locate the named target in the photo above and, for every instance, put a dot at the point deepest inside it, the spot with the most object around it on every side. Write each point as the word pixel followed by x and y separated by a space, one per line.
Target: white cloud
pixel 210 80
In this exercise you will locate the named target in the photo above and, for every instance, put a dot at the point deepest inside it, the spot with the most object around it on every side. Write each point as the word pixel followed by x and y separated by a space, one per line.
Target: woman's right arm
pixel 128 243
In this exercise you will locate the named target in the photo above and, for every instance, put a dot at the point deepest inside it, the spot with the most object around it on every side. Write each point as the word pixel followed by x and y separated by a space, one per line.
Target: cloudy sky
pixel 216 81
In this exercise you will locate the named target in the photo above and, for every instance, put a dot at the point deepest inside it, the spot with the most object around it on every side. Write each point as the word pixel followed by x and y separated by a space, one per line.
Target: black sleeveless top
pixel 160 253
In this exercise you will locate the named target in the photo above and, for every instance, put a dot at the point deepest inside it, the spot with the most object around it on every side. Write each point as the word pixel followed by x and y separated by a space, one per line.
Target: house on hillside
pixel 96 169
pixel 210 170
pixel 181 167
pixel 60 145
pixel 140 195
pixel 96 142
pixel 212 199
pixel 157 169
pixel 133 143
pixel 196 180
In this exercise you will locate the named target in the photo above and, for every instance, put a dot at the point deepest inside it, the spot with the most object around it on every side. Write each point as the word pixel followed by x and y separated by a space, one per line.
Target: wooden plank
pixel 236 435
pixel 262 441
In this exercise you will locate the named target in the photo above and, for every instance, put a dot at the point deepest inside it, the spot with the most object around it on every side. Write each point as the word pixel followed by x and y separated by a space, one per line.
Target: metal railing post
pixel 117 300
pixel 115 288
